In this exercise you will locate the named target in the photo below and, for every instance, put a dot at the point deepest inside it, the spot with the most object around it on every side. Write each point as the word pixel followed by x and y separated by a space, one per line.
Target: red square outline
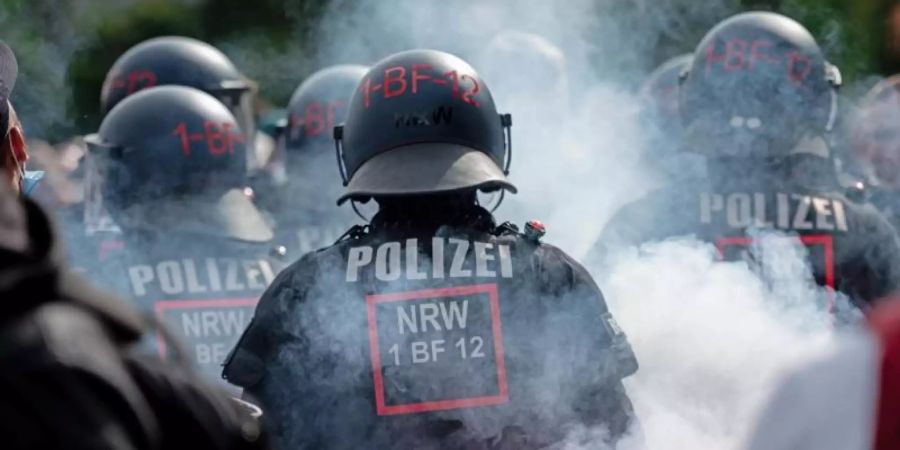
pixel 385 410
pixel 160 307
pixel 825 240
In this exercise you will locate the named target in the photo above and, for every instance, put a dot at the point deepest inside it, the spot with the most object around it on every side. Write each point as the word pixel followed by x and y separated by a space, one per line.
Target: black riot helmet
pixel 181 61
pixel 759 85
pixel 422 121
pixel 318 105
pixel 172 158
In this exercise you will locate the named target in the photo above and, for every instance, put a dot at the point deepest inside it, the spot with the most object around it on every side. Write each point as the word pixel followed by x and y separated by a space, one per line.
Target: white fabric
pixel 827 405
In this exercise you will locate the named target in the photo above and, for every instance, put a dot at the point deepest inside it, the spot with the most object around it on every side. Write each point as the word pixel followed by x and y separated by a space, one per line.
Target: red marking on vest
pixel 825 240
pixel 160 308
pixel 382 408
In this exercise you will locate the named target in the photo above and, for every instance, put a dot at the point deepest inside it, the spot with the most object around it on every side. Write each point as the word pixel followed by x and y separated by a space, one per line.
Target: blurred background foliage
pixel 65 47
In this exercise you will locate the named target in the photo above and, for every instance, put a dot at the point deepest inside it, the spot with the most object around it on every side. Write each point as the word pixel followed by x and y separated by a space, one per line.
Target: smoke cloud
pixel 711 337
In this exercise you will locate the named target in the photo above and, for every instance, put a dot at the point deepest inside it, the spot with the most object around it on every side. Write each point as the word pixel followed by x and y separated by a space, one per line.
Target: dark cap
pixel 9 70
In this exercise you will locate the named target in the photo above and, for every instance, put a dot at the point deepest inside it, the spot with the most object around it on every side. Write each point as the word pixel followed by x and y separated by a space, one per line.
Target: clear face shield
pixel 240 98
pixel 275 164
pixel 97 218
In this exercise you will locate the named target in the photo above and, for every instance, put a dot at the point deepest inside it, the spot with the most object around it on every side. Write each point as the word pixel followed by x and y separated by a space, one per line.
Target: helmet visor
pixel 97 218
pixel 241 103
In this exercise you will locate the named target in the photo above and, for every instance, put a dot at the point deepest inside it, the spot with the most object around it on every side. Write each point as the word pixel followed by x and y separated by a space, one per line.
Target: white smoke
pixel 710 336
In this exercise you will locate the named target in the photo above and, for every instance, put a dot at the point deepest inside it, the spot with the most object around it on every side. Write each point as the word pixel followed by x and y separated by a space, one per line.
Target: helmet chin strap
pixel 358 213
pixel 339 152
pixel 506 123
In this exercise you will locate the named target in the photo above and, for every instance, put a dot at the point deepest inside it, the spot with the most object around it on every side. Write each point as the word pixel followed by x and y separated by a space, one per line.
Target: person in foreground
pixel 72 375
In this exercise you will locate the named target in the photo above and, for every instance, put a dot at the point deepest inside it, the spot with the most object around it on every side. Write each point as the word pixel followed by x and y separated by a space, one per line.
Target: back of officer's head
pixel 422 125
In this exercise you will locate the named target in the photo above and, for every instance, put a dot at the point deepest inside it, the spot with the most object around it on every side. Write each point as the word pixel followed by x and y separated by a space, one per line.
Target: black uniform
pixel 852 248
pixel 72 379
pixel 431 327
pixel 759 102
pixel 472 331
pixel 203 288
pixel 194 250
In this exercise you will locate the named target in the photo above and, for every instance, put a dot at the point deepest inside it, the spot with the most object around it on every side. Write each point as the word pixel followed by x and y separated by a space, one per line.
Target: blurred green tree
pixel 65 47
pixel 240 26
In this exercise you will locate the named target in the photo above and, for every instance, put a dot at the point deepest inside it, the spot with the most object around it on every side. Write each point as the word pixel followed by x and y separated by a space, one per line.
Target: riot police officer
pixel 302 184
pixel 160 61
pixel 758 103
pixel 432 326
pixel 71 375
pixel 195 250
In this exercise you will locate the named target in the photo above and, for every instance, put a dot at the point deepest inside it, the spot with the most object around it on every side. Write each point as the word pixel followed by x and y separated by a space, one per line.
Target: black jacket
pixel 203 288
pixel 71 379
pixel 463 335
pixel 851 247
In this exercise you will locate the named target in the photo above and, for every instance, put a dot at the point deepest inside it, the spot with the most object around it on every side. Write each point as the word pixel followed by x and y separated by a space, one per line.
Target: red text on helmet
pixel 742 55
pixel 317 118
pixel 134 81
pixel 219 138
pixel 402 80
